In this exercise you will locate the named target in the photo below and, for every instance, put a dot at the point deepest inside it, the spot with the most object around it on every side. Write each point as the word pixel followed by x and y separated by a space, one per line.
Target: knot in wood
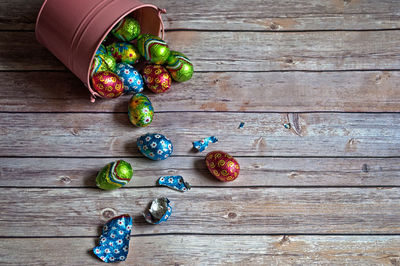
pixel 75 132
pixel 65 179
pixel 108 213
pixel 232 215
pixel 365 168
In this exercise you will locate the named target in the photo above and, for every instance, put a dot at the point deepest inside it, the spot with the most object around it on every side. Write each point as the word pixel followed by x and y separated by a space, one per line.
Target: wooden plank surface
pixel 311 134
pixel 211 250
pixel 255 171
pixel 329 176
pixel 243 51
pixel 360 91
pixel 77 212
pixel 244 15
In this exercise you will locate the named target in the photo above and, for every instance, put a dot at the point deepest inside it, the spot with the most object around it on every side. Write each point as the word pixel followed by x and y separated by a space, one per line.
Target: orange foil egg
pixel 107 84
pixel 223 166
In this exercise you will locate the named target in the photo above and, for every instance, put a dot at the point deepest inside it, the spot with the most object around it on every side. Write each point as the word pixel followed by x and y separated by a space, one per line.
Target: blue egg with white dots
pixel 133 81
pixel 155 146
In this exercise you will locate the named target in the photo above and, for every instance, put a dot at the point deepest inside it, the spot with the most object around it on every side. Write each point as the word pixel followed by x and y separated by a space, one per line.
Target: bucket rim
pixel 37 19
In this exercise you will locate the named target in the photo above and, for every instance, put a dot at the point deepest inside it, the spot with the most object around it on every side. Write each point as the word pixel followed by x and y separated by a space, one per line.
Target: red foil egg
pixel 157 78
pixel 107 84
pixel 223 166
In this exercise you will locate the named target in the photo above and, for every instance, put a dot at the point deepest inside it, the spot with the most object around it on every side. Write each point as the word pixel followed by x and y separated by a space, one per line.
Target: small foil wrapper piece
pixel 114 241
pixel 159 211
pixel 175 182
pixel 201 145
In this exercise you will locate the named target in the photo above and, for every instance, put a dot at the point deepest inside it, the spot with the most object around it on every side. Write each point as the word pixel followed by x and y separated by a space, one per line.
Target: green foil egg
pixel 127 29
pixel 153 48
pixel 140 110
pixel 124 52
pixel 103 62
pixel 102 50
pixel 114 175
pixel 179 66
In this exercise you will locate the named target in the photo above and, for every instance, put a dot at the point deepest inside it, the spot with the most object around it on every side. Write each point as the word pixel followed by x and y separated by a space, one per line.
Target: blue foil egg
pixel 102 50
pixel 155 146
pixel 133 81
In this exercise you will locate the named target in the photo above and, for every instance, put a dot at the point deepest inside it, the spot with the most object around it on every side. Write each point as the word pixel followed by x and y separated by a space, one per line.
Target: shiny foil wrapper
pixel 179 66
pixel 140 110
pixel 103 62
pixel 175 182
pixel 155 146
pixel 201 145
pixel 124 52
pixel 107 84
pixel 222 166
pixel 153 48
pixel 102 50
pixel 114 241
pixel 159 211
pixel 127 29
pixel 131 78
pixel 114 175
pixel 157 78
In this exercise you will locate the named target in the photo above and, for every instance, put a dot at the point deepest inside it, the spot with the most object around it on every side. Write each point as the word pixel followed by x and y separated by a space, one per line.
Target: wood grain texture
pixel 244 15
pixel 242 51
pixel 97 135
pixel 81 212
pixel 211 250
pixel 71 172
pixel 370 91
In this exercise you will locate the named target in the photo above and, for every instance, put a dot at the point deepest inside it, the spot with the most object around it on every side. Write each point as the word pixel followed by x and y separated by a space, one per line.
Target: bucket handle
pixel 162 11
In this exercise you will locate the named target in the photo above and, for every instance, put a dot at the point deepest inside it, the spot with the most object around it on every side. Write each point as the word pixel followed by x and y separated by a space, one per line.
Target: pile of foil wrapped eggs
pixel 127 61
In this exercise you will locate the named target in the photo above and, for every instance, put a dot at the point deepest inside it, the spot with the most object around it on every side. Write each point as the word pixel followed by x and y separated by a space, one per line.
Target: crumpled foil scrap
pixel 175 182
pixel 114 241
pixel 160 210
pixel 201 145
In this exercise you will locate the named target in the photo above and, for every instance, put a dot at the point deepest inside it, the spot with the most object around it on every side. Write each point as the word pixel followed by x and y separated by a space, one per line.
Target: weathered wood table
pixel 317 84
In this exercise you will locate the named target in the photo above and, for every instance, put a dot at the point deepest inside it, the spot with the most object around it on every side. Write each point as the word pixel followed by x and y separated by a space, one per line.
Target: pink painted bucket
pixel 73 30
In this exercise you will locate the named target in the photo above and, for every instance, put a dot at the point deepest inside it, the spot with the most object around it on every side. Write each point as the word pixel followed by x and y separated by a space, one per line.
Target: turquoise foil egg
pixel 155 146
pixel 133 81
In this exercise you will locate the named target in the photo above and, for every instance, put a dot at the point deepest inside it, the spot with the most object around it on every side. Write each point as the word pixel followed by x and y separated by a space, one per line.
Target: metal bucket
pixel 73 30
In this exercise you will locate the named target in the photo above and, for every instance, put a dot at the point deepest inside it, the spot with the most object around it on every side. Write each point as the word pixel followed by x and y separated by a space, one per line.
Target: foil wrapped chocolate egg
pixel 107 84
pixel 131 78
pixel 153 48
pixel 140 110
pixel 114 175
pixel 157 78
pixel 103 62
pixel 127 29
pixel 102 50
pixel 179 66
pixel 222 166
pixel 155 146
pixel 124 52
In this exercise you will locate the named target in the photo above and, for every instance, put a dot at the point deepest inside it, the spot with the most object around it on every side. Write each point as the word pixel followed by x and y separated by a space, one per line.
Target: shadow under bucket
pixel 73 30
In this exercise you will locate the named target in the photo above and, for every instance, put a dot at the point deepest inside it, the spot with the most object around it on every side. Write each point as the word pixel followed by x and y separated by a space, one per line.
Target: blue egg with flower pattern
pixel 155 146
pixel 133 81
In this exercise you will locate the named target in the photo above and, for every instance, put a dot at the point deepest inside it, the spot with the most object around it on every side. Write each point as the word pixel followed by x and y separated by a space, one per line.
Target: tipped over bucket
pixel 73 30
